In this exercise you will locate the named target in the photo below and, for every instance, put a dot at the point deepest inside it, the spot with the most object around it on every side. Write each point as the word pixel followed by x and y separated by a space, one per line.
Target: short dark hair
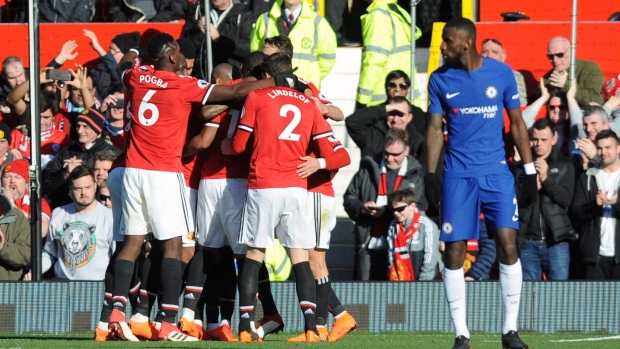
pixel 397 74
pixel 606 134
pixel 283 43
pixel 253 65
pixel 50 100
pixel 400 99
pixel 187 47
pixel 402 195
pixel 463 24
pixel 396 135
pixel 105 155
pixel 541 124
pixel 118 88
pixel 277 63
pixel 160 45
pixel 79 172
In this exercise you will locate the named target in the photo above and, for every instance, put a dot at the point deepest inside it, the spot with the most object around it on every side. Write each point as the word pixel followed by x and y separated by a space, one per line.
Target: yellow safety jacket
pixel 278 264
pixel 314 41
pixel 386 31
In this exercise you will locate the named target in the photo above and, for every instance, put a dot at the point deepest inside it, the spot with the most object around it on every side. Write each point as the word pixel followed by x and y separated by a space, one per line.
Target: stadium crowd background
pixel 93 86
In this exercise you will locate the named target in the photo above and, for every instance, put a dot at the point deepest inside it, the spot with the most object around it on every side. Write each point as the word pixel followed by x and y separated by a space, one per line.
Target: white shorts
pixel 115 186
pixel 324 218
pixel 155 201
pixel 285 210
pixel 189 237
pixel 220 205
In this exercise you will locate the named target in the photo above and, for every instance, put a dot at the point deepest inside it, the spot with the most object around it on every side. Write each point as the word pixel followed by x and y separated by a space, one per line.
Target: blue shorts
pixel 464 198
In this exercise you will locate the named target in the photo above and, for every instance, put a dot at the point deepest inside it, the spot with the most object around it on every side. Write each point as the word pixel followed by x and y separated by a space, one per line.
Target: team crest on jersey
pixel 56 147
pixel 306 43
pixel 202 83
pixel 447 228
pixel 332 139
pixel 491 92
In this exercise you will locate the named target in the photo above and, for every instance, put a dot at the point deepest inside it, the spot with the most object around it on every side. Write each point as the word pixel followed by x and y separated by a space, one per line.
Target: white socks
pixel 511 280
pixel 454 286
pixel 137 317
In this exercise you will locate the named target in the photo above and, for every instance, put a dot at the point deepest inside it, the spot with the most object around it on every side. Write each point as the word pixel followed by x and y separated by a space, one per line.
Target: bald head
pixel 222 73
pixel 558 53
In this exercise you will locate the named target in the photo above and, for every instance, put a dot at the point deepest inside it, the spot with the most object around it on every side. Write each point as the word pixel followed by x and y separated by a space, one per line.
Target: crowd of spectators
pixel 570 232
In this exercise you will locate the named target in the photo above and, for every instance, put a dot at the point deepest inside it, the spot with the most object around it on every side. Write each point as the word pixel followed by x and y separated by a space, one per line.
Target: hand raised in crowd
pixel 587 147
pixel 613 102
pixel 43 75
pixel 107 102
pixel 544 91
pixel 572 91
pixel 371 208
pixel 603 199
pixel 309 166
pixel 94 41
pixel 542 168
pixel 79 77
pixel 71 164
pixel 66 52
pixel 558 79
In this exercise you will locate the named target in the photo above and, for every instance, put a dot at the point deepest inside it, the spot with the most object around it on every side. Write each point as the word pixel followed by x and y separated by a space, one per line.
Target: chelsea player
pixel 470 92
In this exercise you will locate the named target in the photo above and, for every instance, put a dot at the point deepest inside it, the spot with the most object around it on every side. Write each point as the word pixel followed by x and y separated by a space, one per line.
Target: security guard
pixel 314 41
pixel 386 31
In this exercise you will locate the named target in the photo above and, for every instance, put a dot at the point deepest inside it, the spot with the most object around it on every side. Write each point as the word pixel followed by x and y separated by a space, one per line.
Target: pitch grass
pixel 357 340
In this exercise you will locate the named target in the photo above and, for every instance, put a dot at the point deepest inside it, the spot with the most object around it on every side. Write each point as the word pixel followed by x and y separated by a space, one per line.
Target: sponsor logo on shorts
pixel 191 236
pixel 447 228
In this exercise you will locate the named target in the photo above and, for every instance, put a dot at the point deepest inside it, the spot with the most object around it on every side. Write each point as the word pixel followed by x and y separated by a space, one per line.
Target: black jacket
pixel 584 208
pixel 553 202
pixel 364 187
pixel 66 11
pixel 368 126
pixel 57 187
pixel 167 11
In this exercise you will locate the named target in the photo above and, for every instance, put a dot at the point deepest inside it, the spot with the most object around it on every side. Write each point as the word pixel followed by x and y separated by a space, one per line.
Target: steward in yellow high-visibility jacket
pixel 277 262
pixel 386 31
pixel 314 41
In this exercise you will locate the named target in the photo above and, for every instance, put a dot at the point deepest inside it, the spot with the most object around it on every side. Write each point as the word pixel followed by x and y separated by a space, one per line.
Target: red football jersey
pixel 283 122
pixel 316 92
pixel 51 142
pixel 23 204
pixel 159 103
pixel 191 165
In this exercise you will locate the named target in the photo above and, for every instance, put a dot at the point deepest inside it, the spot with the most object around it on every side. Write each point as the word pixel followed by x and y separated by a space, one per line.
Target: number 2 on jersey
pixel 288 134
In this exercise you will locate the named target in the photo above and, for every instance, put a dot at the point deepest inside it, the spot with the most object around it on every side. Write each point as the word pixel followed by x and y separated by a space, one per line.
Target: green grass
pixel 356 340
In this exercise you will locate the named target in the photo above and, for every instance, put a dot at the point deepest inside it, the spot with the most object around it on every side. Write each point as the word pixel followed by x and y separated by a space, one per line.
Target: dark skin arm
pixel 208 112
pixel 519 133
pixel 237 92
pixel 434 140
pixel 125 63
pixel 200 142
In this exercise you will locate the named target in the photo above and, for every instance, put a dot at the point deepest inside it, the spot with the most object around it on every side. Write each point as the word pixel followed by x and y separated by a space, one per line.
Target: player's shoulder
pixel 494 65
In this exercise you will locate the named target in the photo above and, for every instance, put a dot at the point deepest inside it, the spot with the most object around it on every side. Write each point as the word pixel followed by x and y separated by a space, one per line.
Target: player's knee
pixel 507 253
pixel 172 248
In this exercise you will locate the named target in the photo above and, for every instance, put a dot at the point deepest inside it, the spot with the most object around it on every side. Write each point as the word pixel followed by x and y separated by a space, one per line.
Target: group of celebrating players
pixel 260 166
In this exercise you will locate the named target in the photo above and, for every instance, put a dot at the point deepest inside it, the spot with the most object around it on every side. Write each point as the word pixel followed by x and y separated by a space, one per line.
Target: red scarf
pixel 401 269
pixel 379 226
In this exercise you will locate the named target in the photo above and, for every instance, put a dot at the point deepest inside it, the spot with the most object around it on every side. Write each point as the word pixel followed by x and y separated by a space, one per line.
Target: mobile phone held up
pixel 59 75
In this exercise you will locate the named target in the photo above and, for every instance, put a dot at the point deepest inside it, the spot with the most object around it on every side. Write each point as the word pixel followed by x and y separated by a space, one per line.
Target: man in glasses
pixel 366 201
pixel 588 74
pixel 368 126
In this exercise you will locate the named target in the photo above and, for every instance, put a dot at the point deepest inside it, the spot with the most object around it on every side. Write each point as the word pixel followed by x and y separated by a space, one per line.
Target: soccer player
pixel 283 123
pixel 470 92
pixel 159 103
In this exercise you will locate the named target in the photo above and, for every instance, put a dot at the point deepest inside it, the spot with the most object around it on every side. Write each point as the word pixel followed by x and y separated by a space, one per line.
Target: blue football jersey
pixel 472 103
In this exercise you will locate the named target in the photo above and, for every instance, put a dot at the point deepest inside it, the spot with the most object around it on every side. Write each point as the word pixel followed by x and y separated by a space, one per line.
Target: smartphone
pixel 57 74
pixel 120 103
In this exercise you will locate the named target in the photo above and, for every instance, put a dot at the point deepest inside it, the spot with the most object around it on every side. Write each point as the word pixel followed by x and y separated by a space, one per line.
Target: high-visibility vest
pixel 386 31
pixel 314 41
pixel 278 264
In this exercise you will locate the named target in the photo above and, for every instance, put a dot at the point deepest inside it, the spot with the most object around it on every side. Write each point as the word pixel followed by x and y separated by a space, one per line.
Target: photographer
pixel 113 109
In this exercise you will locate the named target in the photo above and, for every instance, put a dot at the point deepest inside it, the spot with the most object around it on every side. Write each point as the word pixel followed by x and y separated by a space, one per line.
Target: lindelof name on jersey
pixel 150 79
pixel 288 93
pixel 487 111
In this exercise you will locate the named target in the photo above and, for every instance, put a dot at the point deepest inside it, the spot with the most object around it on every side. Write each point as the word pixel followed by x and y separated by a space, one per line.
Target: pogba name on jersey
pixel 150 79
pixel 288 93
